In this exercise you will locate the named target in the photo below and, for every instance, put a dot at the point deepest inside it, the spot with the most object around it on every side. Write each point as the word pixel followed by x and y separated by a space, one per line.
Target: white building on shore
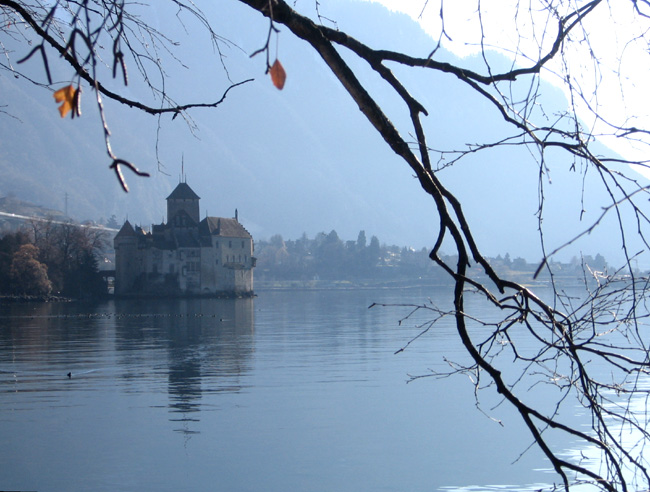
pixel 185 256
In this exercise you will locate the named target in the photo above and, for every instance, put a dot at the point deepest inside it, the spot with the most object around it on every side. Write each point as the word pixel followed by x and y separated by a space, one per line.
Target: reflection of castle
pixel 205 356
pixel 185 256
pixel 209 347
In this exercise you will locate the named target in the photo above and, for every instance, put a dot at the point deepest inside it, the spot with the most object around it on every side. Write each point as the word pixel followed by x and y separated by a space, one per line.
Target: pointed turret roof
pixel 183 192
pixel 126 230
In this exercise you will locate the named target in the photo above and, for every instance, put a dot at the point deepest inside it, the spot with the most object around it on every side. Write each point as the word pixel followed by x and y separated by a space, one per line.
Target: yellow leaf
pixel 278 75
pixel 69 96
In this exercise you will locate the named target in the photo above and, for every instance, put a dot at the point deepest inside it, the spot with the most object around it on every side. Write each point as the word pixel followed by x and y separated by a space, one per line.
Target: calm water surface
pixel 290 391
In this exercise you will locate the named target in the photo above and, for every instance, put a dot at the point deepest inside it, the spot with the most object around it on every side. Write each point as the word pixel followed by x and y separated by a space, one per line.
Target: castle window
pixel 217 262
pixel 242 244
pixel 216 244
pixel 230 244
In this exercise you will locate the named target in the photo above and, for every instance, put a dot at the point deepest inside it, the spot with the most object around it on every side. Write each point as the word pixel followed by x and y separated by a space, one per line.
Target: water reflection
pixel 193 346
pixel 289 391
pixel 208 346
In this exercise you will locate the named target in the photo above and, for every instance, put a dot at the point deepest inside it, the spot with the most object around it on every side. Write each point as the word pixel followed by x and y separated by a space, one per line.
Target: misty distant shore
pixel 351 285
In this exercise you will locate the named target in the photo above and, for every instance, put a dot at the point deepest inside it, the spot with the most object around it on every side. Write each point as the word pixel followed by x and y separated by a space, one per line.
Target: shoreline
pixel 6 299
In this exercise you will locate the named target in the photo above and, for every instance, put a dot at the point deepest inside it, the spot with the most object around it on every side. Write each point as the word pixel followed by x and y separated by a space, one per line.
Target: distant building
pixel 185 256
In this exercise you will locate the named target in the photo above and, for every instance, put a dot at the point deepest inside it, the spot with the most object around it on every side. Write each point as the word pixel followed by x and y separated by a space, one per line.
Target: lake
pixel 289 391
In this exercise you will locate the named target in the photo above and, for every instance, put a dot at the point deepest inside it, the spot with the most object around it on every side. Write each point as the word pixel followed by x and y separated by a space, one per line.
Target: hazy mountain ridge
pixel 300 160
pixel 12 205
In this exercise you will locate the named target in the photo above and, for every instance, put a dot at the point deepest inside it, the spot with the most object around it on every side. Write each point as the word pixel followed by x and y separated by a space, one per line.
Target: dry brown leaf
pixel 278 75
pixel 69 97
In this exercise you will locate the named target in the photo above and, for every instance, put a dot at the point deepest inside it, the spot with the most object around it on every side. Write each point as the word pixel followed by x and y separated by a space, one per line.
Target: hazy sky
pixel 299 160
pixel 620 45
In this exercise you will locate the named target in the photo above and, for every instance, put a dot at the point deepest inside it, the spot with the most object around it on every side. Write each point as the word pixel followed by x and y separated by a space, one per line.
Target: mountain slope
pixel 300 160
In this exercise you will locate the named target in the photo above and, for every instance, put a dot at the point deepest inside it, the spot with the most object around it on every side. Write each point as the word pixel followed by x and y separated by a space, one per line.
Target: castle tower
pixel 184 199
pixel 126 259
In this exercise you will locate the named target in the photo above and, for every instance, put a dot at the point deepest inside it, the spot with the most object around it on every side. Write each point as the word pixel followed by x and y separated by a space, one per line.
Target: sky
pixel 620 46
pixel 303 159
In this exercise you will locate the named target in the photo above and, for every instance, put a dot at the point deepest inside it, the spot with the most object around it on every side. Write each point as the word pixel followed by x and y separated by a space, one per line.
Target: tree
pixel 329 255
pixel 28 275
pixel 361 241
pixel 548 339
pixel 373 252
pixel 69 251
pixel 280 253
pixel 112 223
pixel 9 245
pixel 83 279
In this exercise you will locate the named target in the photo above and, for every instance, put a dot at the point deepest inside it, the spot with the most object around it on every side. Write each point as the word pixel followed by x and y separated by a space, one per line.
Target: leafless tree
pixel 592 348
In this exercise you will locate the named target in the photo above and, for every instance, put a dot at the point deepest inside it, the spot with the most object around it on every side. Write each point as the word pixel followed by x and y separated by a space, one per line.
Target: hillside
pixel 13 211
pixel 298 161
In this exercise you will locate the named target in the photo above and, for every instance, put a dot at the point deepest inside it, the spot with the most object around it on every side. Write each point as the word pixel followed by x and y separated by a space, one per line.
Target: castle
pixel 185 256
